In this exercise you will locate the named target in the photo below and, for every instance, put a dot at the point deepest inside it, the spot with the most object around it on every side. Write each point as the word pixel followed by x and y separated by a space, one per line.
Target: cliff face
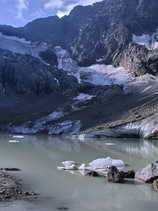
pixel 101 32
pixel 24 74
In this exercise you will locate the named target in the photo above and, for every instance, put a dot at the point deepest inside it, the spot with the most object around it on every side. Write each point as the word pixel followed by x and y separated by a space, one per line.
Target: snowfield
pixel 21 46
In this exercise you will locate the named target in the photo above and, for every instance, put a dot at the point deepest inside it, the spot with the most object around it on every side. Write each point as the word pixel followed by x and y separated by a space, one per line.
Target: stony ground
pixel 11 189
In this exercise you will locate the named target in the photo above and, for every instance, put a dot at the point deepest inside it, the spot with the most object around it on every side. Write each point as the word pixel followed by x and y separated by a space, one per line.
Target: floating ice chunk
pixel 110 144
pixel 14 141
pixel 82 166
pixel 20 137
pixel 104 163
pixel 70 165
pixel 61 168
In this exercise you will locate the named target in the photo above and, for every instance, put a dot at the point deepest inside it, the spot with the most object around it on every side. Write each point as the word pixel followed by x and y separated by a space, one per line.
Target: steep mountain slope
pixel 78 68
pixel 99 32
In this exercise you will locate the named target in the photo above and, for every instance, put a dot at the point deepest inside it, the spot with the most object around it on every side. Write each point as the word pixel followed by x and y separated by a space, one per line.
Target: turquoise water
pixel 39 156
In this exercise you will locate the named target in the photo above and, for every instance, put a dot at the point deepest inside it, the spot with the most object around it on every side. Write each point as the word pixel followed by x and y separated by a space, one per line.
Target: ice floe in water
pixel 110 144
pixel 18 136
pixel 14 141
pixel 105 162
pixel 100 165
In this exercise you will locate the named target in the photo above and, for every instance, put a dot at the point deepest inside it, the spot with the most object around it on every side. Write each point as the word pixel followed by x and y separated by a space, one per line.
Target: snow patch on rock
pixel 149 41
pixel 83 97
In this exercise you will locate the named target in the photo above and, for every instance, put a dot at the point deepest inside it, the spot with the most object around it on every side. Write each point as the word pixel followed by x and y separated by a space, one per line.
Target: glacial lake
pixel 39 156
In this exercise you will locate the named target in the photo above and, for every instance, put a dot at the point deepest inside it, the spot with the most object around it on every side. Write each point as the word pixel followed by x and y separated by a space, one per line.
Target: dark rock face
pixel 26 74
pixel 49 57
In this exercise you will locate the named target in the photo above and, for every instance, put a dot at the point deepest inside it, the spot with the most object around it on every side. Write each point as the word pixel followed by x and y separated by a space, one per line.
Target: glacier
pixel 97 74
pixel 21 46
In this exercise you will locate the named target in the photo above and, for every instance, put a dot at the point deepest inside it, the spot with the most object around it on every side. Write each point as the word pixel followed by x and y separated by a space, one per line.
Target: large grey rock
pixel 149 173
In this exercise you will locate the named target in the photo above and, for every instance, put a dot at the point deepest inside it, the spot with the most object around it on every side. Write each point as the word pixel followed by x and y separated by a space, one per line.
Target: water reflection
pixel 39 156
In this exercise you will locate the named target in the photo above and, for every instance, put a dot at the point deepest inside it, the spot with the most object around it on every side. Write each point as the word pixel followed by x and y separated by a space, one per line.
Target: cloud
pixel 22 5
pixel 63 7
pixel 20 12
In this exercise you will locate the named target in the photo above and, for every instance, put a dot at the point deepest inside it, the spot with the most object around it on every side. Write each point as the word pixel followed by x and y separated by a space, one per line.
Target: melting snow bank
pixel 100 166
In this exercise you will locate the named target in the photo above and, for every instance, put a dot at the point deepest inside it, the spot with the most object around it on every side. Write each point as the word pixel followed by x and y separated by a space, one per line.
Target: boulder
pixel 149 173
pixel 114 175
pixel 155 185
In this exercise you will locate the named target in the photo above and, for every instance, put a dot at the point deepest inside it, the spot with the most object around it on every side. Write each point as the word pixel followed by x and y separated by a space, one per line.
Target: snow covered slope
pixel 21 46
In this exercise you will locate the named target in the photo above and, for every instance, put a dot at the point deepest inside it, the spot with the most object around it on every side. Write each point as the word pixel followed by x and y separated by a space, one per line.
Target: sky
pixel 20 12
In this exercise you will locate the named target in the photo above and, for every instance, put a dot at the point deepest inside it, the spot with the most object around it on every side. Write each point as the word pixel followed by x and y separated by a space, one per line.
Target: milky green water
pixel 39 156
